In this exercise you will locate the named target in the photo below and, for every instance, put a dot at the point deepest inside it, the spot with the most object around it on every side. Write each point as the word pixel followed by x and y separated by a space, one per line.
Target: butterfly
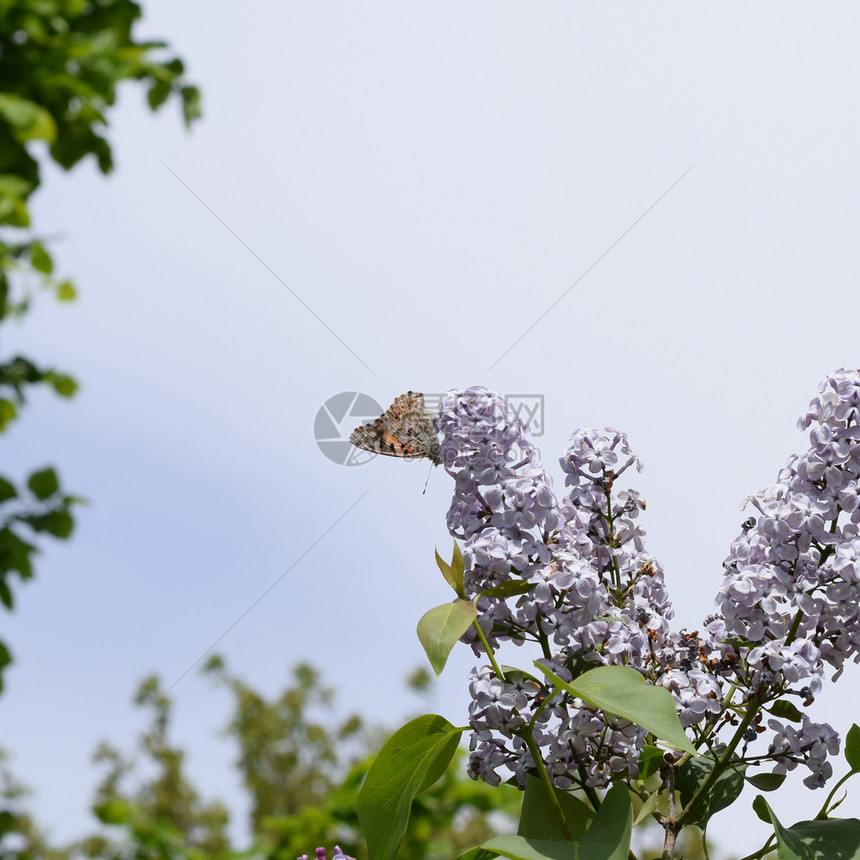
pixel 405 430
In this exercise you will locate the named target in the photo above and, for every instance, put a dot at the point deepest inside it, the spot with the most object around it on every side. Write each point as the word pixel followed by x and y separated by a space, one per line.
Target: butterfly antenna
pixel 429 473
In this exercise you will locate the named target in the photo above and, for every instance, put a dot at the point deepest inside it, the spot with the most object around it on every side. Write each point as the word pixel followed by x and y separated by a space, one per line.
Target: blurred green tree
pixel 61 62
pixel 302 768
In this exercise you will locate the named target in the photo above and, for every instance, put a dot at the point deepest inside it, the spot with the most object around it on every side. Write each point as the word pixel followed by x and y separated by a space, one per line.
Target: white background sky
pixel 429 178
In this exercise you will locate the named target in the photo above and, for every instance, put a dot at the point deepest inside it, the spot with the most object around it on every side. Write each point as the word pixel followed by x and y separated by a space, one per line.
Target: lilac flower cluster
pixel 809 746
pixel 595 594
pixel 791 592
pixel 789 603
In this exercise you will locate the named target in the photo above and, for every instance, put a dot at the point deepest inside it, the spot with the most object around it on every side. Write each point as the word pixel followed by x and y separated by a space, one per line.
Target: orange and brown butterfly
pixel 405 430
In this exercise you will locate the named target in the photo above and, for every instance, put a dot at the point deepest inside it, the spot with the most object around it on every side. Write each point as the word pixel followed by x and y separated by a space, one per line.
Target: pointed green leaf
pixel 538 819
pixel 761 809
pixel 623 692
pixel 412 759
pixel 511 588
pixel 649 805
pixel 785 710
pixel 440 629
pixel 453 572
pixel 852 748
pixel 833 839
pixel 766 781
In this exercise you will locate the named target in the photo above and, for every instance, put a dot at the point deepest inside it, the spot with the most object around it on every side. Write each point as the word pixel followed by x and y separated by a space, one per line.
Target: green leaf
pixel 7 413
pixel 651 803
pixel 520 848
pixel 833 839
pixel 538 819
pixel 509 589
pixel 66 292
pixel 6 594
pixel 63 384
pixel 852 748
pixel 441 628
pixel 623 692
pixel 724 792
pixel 43 484
pixel 58 523
pixel 40 259
pixel 766 781
pixel 650 761
pixel 453 572
pixel 412 759
pixel 478 853
pixel 761 809
pixel 28 120
pixel 738 642
pixel 608 837
pixel 7 490
pixel 786 710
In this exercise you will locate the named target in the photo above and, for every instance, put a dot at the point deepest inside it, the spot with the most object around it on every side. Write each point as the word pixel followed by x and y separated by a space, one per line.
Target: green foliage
pixel 538 819
pixel 724 791
pixel 162 815
pixel 608 837
pixel 453 572
pixel 852 748
pixel 440 629
pixel 147 808
pixel 835 839
pixel 621 691
pixel 61 63
pixel 292 752
pixel 413 758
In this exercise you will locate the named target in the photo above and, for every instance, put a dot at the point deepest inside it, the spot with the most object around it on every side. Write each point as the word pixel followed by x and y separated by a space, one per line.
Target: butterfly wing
pixel 404 430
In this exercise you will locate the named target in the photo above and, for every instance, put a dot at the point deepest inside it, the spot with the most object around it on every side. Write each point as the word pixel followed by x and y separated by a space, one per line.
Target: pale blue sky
pixel 429 178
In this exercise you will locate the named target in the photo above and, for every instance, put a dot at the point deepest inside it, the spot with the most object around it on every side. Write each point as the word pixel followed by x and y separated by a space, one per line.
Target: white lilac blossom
pixel 595 595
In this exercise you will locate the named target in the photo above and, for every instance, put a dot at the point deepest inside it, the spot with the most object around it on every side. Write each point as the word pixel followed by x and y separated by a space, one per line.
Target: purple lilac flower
pixel 595 592
pixel 810 745
pixel 792 581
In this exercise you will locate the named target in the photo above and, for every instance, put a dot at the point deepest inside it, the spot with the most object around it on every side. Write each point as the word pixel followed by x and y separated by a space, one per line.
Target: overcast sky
pixel 383 197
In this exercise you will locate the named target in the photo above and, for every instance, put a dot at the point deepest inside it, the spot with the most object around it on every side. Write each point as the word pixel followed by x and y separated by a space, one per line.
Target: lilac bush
pixel 565 576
